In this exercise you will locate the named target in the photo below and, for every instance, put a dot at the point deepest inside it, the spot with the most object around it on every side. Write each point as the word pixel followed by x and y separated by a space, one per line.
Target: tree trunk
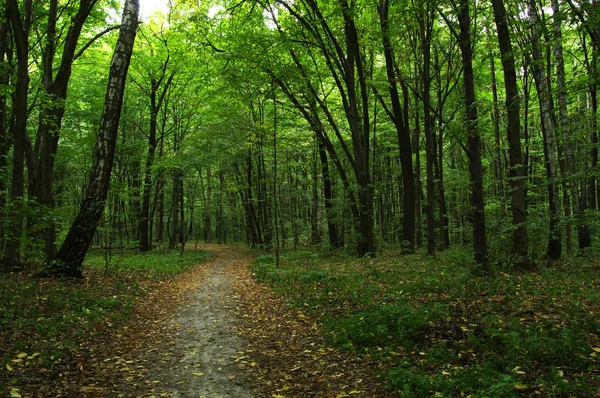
pixel 425 29
pixel 53 109
pixel 220 221
pixel 496 121
pixel 554 241
pixel 418 186
pixel 70 257
pixel 517 169
pixel 328 196
pixel 5 139
pixel 399 117
pixel 207 208
pixel 20 29
pixel 565 132
pixel 315 233
pixel 474 141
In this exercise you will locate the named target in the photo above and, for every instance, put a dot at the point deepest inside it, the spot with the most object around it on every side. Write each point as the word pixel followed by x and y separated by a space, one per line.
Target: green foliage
pixel 439 329
pixel 150 264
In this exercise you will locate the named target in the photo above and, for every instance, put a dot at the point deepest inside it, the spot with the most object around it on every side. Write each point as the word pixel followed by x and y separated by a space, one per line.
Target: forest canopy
pixel 371 126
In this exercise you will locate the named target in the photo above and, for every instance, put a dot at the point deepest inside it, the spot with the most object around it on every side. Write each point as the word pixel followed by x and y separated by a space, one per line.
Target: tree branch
pixel 93 39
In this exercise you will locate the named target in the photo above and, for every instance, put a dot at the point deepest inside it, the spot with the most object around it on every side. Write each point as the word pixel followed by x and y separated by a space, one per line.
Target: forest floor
pixel 211 331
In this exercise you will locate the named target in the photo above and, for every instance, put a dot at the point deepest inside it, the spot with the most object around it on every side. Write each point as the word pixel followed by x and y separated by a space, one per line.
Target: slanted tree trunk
pixel 70 257
pixel 473 141
pixel 311 115
pixel 346 63
pixel 554 240
pixel 53 108
pixel 517 169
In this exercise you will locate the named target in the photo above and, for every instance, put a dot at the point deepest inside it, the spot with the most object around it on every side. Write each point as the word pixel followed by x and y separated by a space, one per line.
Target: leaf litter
pixel 211 331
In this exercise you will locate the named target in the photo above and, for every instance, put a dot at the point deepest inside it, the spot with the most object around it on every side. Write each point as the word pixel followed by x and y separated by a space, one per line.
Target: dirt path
pixel 203 359
pixel 213 332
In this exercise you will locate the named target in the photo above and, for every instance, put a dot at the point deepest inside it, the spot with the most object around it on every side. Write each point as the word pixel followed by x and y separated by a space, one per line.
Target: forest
pixel 338 141
pixel 424 125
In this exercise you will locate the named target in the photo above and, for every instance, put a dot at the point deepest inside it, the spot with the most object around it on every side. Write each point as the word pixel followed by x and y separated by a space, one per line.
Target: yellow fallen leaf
pixel 342 395
pixel 198 373
pixel 8 367
pixel 22 355
pixel 520 386
pixel 354 392
pixel 597 349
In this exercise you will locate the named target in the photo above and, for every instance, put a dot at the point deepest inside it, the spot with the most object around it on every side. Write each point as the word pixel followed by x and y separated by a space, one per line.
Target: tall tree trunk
pixel 176 221
pixel 145 245
pixel 72 252
pixel 399 117
pixel 328 196
pixel 425 30
pixel 496 121
pixel 554 241
pixel 474 141
pixel 275 201
pixel 220 221
pixel 157 97
pixel 5 139
pixel 20 29
pixel 565 132
pixel 315 233
pixel 53 108
pixel 207 208
pixel 517 169
pixel 418 186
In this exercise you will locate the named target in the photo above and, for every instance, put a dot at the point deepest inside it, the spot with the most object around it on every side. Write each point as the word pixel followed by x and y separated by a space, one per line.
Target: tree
pixel 516 171
pixel 72 252
pixel 400 119
pixel 544 98
pixel 473 140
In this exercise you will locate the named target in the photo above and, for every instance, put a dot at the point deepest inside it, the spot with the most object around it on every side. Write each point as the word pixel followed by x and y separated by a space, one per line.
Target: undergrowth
pixel 439 330
pixel 44 321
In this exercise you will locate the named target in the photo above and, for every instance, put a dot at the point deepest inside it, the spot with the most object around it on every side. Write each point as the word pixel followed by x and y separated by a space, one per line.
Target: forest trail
pixel 215 332
pixel 202 359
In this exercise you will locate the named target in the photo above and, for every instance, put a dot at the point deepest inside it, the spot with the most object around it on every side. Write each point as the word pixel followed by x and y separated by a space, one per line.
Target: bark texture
pixel 70 257
pixel 474 141
pixel 516 171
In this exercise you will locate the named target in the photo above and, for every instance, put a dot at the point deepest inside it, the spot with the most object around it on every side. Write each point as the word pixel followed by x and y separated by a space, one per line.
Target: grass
pixel 44 321
pixel 439 330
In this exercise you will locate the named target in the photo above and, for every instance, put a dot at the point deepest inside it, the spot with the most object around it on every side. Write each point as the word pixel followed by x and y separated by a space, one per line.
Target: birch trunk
pixel 70 257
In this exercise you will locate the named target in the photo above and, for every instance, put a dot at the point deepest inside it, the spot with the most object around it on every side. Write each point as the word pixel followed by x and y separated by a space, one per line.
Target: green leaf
pixel 14 393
